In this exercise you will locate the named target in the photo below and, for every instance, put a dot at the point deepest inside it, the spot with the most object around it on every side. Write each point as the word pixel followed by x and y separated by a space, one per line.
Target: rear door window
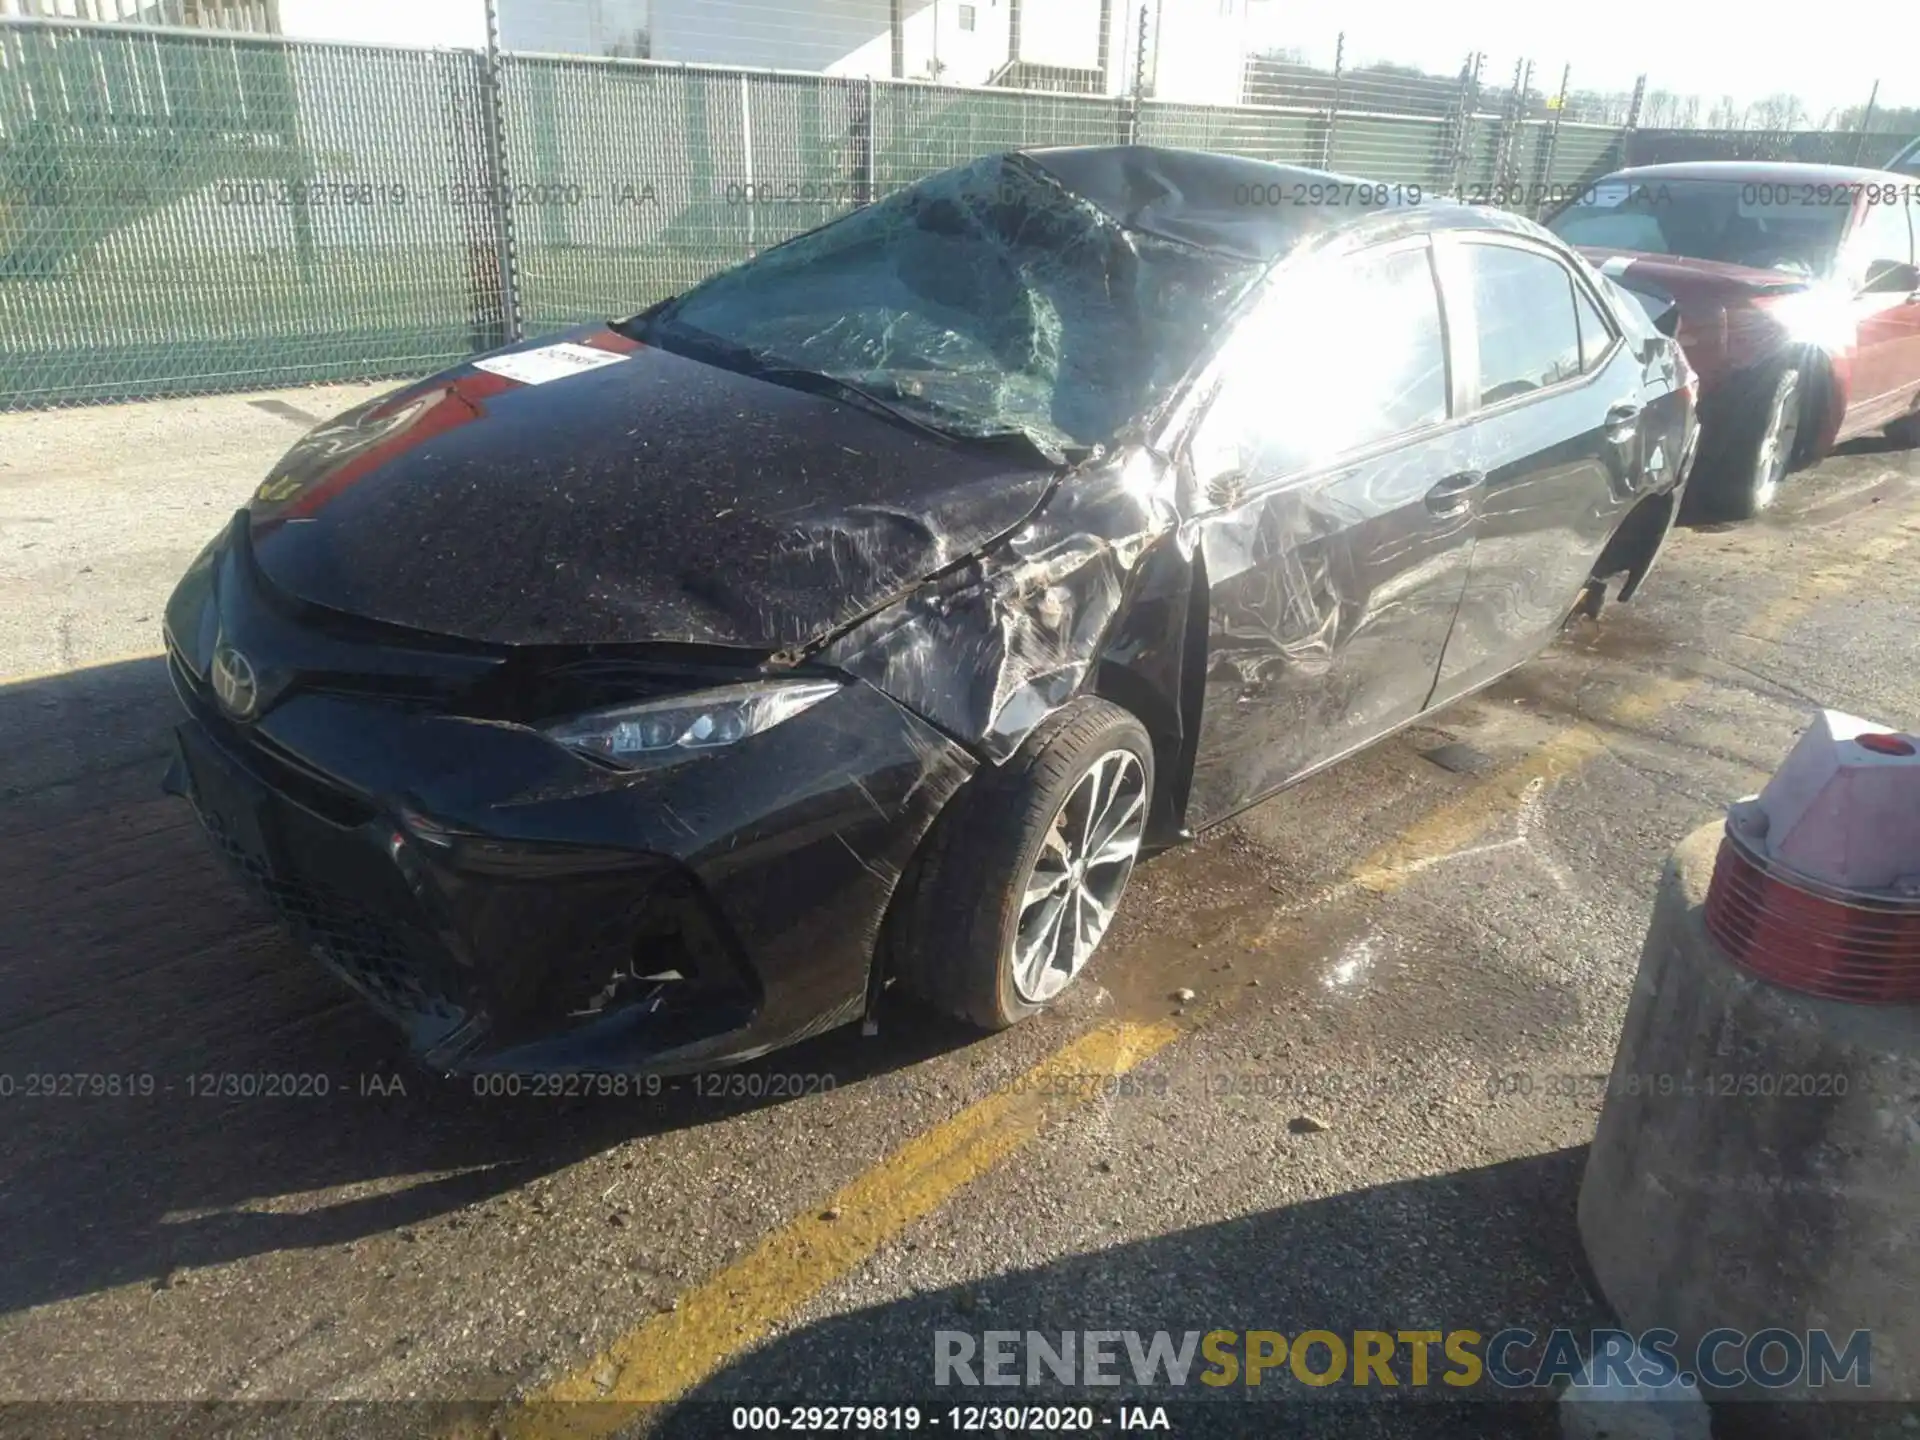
pixel 1596 336
pixel 1524 319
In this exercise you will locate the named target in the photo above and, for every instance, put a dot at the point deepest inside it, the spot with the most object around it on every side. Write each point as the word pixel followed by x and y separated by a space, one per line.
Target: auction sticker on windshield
pixel 549 362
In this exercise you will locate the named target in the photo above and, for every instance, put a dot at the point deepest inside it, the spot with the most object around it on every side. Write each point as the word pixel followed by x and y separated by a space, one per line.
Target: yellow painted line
pixel 31 676
pixel 674 1351
pixel 1459 823
pixel 668 1355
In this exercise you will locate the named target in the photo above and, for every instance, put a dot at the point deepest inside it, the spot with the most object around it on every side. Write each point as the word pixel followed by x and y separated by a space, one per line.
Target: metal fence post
pixel 1633 122
pixel 1139 80
pixel 498 180
pixel 1866 119
pixel 1522 103
pixel 863 156
pixel 1549 147
pixel 1460 131
pixel 1450 137
pixel 746 161
pixel 1509 124
pixel 1333 108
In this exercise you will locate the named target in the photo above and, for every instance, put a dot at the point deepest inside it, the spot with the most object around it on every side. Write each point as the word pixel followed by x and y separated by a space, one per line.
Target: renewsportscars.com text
pixel 1511 1359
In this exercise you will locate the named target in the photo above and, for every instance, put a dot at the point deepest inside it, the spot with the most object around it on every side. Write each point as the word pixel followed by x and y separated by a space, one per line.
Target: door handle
pixel 1455 493
pixel 1621 420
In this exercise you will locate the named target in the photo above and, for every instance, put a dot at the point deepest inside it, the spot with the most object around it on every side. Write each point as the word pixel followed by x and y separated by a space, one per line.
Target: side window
pixel 1884 235
pixel 1339 356
pixel 1595 336
pixel 1523 313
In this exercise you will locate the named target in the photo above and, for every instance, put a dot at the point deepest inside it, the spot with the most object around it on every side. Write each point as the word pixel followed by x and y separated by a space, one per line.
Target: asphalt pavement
pixel 1335 1069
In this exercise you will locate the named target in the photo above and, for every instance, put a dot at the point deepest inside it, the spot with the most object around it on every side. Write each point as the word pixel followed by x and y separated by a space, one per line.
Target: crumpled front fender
pixel 991 648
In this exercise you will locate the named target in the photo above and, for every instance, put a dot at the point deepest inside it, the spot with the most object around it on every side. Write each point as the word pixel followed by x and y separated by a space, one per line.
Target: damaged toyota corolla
pixel 658 694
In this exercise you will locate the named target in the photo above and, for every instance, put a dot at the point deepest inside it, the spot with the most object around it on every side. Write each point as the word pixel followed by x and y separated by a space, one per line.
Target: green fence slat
pixel 184 213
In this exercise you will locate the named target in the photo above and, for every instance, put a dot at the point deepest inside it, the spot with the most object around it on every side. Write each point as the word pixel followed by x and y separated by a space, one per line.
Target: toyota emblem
pixel 234 683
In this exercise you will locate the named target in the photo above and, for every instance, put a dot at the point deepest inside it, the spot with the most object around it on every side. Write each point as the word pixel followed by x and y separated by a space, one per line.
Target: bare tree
pixel 1779 111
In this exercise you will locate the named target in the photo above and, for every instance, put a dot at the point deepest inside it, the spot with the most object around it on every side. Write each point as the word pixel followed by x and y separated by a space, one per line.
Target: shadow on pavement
pixel 1477 1249
pixel 130 962
pixel 1816 494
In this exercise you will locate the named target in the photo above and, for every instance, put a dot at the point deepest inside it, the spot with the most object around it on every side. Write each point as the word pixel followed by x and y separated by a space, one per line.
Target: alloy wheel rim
pixel 1776 446
pixel 1074 884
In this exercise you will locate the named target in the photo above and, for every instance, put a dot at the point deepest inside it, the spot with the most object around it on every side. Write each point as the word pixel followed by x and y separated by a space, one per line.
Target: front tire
pixel 1741 477
pixel 1021 876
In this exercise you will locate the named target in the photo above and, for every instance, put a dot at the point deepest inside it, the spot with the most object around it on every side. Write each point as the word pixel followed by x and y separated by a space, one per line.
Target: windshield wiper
pixel 847 391
pixel 656 328
pixel 833 387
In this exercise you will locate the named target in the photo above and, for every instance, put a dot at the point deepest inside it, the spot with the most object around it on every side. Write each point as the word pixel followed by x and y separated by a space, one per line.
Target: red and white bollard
pixel 1757 1161
pixel 1817 884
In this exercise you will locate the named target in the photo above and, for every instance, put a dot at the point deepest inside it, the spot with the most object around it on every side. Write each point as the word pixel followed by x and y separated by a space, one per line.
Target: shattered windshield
pixel 1763 225
pixel 984 301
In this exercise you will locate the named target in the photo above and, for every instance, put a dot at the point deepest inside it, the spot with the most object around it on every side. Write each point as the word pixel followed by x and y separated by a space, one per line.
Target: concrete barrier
pixel 1757 1165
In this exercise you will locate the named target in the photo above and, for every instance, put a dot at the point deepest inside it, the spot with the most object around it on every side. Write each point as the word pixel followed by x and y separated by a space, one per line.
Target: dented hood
pixel 593 490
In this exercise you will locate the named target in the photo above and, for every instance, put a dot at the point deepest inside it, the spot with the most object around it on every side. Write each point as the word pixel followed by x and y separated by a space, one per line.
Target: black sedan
pixel 658 694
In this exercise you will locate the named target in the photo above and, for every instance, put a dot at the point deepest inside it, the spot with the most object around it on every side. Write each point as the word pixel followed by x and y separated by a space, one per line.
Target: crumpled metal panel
pixel 990 650
pixel 1330 603
pixel 650 499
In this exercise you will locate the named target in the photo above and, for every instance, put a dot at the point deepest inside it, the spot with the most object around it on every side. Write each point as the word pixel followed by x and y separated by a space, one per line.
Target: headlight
pixel 658 730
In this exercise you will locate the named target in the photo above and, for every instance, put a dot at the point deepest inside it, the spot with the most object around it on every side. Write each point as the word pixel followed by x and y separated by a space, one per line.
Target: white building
pixel 1195 52
pixel 1195 49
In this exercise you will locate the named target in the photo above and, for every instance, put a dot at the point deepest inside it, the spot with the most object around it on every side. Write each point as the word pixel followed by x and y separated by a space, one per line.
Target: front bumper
pixel 514 906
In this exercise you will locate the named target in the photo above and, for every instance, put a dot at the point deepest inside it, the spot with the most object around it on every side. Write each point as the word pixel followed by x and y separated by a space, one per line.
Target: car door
pixel 1877 266
pixel 1333 520
pixel 1555 401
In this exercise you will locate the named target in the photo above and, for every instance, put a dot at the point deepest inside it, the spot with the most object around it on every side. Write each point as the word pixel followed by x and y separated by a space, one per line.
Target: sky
pixel 1686 48
pixel 425 23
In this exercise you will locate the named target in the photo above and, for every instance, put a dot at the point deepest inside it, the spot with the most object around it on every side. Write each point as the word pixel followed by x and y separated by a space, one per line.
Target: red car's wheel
pixel 1740 470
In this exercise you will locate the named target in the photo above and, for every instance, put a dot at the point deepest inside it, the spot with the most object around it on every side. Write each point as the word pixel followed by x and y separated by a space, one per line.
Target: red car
pixel 1798 298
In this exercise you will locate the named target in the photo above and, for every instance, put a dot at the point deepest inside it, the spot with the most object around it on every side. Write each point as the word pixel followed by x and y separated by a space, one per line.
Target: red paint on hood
pixel 397 423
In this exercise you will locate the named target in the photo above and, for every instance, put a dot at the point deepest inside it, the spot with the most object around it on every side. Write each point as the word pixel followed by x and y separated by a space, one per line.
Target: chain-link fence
pixel 186 212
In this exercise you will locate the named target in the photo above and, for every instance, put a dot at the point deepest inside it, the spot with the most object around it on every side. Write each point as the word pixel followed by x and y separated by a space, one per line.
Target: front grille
pixel 390 963
pixel 285 772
